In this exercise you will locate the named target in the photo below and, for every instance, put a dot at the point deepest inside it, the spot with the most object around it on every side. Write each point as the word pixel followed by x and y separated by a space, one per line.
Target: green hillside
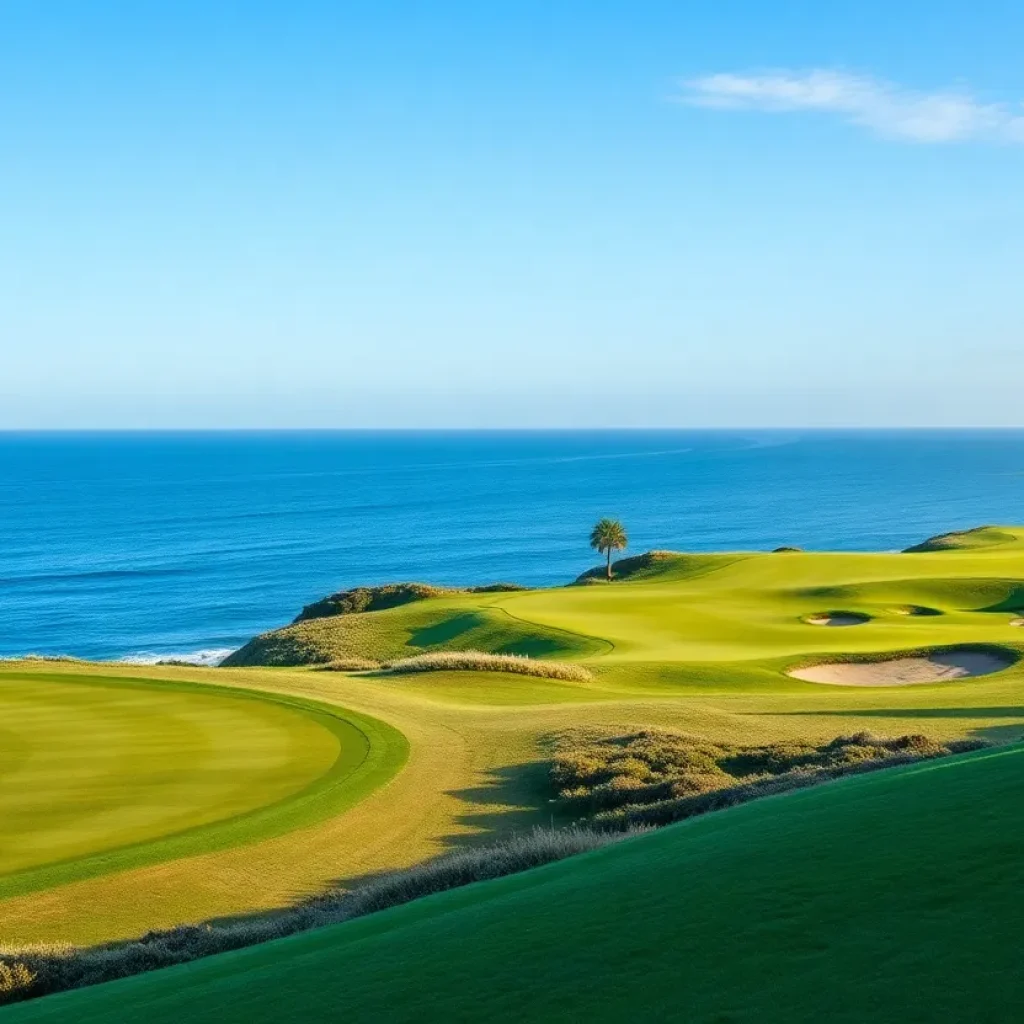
pixel 894 896
pixel 682 610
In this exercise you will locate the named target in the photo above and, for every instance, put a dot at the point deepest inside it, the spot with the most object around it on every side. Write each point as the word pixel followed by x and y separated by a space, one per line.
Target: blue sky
pixel 510 214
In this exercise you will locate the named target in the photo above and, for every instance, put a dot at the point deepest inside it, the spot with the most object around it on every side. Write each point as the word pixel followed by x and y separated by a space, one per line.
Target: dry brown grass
pixel 479 661
pixel 16 980
pixel 349 665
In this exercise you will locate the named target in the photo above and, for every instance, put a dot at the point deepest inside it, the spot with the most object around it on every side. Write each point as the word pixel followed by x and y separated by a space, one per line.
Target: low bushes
pixel 38 972
pixel 369 599
pixel 652 778
pixel 478 661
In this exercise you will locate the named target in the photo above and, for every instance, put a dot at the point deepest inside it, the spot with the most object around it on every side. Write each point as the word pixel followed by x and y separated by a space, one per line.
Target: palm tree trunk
pixel 609 565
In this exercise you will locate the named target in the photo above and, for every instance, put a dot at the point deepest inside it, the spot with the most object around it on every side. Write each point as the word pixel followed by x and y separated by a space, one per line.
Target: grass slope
pixel 106 774
pixel 433 624
pixel 888 897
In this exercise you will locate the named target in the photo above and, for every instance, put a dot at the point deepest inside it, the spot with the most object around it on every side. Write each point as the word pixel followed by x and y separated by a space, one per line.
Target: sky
pixel 533 213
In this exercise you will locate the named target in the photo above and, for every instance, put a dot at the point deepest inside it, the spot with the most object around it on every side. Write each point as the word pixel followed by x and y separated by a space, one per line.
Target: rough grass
pixel 16 980
pixel 479 661
pixel 350 665
pixel 31 972
pixel 653 777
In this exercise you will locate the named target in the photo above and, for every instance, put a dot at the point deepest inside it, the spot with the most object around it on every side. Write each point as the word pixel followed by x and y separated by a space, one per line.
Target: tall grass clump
pixel 349 665
pixel 652 778
pixel 15 978
pixel 478 661
pixel 44 970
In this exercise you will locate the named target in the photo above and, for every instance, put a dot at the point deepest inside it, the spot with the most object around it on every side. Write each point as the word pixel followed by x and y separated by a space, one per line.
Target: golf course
pixel 391 726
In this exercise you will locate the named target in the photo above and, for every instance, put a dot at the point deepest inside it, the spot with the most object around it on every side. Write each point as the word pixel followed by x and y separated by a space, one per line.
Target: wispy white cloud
pixel 949 115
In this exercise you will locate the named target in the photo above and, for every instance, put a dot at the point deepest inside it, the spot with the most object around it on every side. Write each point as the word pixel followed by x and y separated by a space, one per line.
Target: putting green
pixel 100 774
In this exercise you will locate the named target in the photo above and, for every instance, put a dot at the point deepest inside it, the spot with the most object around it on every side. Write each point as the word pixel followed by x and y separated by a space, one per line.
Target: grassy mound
pixel 426 626
pixel 968 540
pixel 478 661
pixel 390 595
pixel 892 896
pixel 657 565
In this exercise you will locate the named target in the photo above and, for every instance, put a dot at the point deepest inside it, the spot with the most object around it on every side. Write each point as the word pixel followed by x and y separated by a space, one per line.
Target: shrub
pixel 652 778
pixel 478 661
pixel 369 599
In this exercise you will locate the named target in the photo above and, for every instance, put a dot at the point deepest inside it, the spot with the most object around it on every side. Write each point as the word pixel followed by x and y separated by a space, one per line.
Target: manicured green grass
pixel 698 645
pixel 105 774
pixel 894 896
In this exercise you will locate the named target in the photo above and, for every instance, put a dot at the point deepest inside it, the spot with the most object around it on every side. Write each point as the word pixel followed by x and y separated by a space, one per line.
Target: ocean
pixel 142 546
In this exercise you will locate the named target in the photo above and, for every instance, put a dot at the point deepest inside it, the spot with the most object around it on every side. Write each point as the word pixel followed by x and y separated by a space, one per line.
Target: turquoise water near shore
pixel 121 545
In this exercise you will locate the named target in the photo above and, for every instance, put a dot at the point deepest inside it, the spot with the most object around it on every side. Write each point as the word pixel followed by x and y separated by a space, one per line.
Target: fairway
pixel 100 774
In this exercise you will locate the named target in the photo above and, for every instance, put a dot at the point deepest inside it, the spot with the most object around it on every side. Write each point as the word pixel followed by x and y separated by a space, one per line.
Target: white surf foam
pixel 210 657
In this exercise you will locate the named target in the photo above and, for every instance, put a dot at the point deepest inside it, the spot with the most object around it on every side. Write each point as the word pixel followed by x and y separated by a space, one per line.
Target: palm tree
pixel 607 536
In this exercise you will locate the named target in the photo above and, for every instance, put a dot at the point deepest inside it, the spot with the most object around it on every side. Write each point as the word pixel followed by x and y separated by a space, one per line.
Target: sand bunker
pixel 915 609
pixel 937 667
pixel 836 619
pixel 1018 621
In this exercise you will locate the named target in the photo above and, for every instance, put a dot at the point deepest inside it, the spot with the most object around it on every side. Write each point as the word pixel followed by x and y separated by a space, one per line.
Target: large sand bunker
pixel 933 667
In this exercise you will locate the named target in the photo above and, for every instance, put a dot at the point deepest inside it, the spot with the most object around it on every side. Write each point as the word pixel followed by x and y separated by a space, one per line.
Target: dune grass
pixel 480 661
pixel 891 896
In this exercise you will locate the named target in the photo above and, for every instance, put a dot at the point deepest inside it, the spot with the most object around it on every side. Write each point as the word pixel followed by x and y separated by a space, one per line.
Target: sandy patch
pixel 1018 621
pixel 939 667
pixel 836 619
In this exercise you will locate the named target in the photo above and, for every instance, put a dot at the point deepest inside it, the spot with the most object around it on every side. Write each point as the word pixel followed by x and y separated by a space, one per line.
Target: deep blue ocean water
pixel 143 545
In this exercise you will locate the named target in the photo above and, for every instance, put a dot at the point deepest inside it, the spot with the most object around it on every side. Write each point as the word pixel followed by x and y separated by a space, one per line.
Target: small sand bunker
pixel 1017 620
pixel 836 619
pixel 915 609
pixel 937 667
